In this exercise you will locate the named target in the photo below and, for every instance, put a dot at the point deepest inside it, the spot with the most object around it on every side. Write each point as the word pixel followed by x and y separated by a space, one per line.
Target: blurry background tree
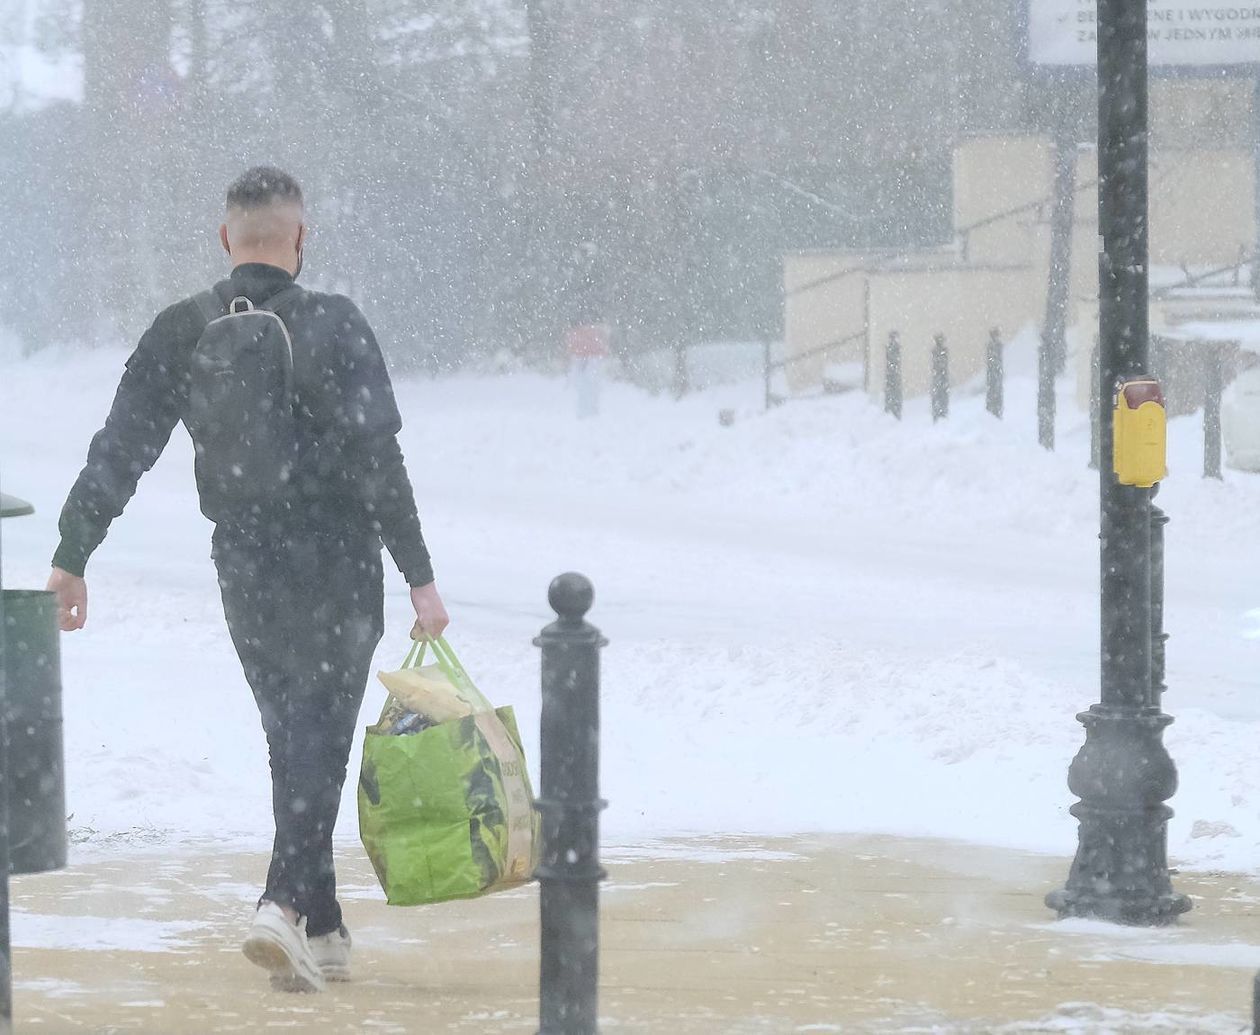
pixel 644 162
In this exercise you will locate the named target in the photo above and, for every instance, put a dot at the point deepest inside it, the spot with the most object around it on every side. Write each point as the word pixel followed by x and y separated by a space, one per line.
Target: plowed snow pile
pixel 821 620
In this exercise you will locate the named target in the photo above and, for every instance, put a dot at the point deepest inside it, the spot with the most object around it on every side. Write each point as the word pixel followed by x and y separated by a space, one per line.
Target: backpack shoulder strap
pixel 283 297
pixel 209 306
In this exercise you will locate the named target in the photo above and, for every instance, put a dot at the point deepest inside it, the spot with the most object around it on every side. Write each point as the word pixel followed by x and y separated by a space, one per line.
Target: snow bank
pixel 821 619
pixel 34 78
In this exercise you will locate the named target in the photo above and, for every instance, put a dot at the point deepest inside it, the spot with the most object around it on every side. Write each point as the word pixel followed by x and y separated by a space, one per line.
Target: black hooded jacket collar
pixel 257 281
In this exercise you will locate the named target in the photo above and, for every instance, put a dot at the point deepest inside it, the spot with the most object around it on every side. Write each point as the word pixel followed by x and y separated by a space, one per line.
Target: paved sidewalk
pixel 839 934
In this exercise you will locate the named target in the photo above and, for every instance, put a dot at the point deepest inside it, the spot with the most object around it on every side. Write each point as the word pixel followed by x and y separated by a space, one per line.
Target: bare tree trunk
pixel 540 318
pixel 127 85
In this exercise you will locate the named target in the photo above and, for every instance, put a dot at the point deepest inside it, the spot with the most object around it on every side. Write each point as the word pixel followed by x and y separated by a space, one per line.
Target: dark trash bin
pixel 36 767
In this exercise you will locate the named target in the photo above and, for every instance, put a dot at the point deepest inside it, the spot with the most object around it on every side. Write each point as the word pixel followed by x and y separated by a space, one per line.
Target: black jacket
pixel 351 473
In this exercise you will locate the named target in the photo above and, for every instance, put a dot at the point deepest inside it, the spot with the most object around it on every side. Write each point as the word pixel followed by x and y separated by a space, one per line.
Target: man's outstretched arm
pixel 146 409
pixel 365 422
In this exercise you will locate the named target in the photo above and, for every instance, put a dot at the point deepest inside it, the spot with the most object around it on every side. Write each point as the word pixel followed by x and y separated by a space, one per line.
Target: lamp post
pixel 1123 774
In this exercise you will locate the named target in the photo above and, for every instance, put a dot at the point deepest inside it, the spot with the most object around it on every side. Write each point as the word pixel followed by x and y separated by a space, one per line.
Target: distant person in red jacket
pixel 587 344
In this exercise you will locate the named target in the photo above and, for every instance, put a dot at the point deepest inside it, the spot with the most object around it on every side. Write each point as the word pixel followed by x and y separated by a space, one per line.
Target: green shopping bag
pixel 446 813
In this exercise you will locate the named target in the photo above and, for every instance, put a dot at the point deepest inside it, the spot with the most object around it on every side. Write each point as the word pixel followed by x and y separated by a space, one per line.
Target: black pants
pixel 305 610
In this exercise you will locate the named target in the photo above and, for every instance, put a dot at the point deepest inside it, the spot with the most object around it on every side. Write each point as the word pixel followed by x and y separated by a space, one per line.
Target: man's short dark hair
pixel 261 186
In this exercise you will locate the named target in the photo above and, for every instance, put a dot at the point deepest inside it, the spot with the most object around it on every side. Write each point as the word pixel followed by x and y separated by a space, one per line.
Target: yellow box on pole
pixel 1141 434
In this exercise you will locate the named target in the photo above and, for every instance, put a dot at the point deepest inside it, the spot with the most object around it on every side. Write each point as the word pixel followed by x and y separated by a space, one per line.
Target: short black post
pixel 1045 392
pixel 682 376
pixel 9 507
pixel 995 375
pixel 569 872
pixel 892 375
pixel 1213 387
pixel 940 378
pixel 769 369
pixel 6 955
pixel 1255 1005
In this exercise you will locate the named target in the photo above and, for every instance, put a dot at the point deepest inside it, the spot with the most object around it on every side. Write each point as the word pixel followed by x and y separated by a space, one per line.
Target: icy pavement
pixel 705 936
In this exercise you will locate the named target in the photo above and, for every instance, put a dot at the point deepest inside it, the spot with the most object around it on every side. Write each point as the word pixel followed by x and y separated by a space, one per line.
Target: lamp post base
pixel 1123 775
pixel 1120 873
pixel 1157 912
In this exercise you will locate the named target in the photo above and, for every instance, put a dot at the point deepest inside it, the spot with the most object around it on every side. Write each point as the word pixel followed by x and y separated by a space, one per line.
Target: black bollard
pixel 892 376
pixel 682 376
pixel 35 775
pixel 995 375
pixel 768 368
pixel 1046 403
pixel 8 507
pixel 940 378
pixel 1255 1005
pixel 1213 387
pixel 569 872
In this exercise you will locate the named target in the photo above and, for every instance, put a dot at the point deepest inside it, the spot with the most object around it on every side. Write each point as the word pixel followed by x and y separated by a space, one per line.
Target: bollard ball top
pixel 571 595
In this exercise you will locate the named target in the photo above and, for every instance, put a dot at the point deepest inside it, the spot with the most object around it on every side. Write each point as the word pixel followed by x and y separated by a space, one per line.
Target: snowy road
pixel 820 620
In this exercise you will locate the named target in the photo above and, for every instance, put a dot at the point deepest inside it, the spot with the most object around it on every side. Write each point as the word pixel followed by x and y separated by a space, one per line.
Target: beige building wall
pixel 963 303
pixel 823 312
pixel 1192 113
pixel 1202 206
pixel 994 176
pixel 1000 285
pixel 1202 212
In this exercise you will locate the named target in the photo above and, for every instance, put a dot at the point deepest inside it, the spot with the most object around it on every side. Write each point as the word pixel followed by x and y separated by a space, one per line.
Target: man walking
pixel 286 396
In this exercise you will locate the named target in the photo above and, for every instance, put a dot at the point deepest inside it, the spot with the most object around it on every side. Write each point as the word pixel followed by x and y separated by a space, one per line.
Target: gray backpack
pixel 241 400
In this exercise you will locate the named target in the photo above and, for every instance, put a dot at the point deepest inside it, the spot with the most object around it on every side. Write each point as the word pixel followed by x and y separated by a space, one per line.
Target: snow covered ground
pixel 821 619
pixel 31 78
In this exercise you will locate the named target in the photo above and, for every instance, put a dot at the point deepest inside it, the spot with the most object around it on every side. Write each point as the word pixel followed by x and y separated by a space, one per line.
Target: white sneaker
pixel 332 953
pixel 280 947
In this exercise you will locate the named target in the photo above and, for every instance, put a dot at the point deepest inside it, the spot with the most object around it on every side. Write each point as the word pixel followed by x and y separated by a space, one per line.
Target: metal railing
pixel 1234 270
pixel 962 242
pixel 770 364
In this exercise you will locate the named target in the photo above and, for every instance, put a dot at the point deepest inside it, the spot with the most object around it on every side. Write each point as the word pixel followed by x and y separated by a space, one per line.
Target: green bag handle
pixel 444 654
pixel 415 656
pixel 451 667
